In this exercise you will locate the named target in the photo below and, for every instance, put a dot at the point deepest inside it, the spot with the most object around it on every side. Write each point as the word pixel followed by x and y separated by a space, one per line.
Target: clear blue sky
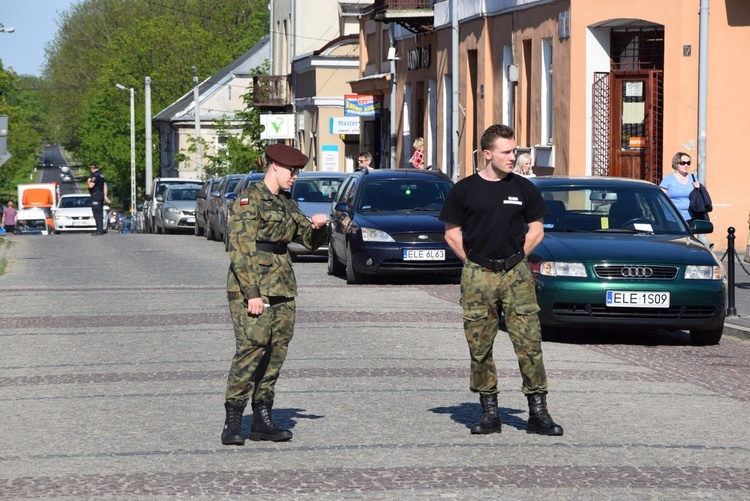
pixel 35 22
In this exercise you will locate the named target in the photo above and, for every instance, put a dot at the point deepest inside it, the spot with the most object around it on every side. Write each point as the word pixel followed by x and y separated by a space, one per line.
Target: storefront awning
pixel 371 83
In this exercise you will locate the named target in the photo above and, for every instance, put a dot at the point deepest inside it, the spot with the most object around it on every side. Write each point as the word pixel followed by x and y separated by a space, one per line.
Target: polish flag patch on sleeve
pixel 244 201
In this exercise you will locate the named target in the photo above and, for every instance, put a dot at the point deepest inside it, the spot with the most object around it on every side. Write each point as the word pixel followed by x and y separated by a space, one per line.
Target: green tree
pixel 20 101
pixel 101 43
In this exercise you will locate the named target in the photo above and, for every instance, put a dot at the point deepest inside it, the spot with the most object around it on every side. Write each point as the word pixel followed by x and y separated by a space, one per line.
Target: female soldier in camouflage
pixel 261 288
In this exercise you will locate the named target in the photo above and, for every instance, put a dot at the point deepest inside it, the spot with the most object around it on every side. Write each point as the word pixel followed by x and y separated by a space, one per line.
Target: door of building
pixel 635 138
pixel 627 124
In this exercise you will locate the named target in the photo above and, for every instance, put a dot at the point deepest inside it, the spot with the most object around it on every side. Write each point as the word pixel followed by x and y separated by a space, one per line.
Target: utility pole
pixel 149 166
pixel 132 145
pixel 196 107
pixel 702 90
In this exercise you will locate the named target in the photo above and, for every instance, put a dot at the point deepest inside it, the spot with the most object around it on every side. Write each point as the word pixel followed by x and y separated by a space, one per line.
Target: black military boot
pixel 232 433
pixel 263 427
pixel 490 420
pixel 540 422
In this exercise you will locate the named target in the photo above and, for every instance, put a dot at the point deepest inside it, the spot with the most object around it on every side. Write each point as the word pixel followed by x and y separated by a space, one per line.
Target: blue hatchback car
pixel 386 222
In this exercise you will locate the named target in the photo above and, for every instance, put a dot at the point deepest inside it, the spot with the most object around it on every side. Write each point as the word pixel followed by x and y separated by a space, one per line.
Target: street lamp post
pixel 196 106
pixel 132 146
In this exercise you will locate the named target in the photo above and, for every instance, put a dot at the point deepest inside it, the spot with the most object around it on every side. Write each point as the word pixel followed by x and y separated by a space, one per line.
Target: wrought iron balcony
pixel 271 91
pixel 417 16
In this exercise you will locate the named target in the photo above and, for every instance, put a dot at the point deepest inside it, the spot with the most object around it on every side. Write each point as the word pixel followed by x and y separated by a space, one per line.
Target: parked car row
pixel 616 251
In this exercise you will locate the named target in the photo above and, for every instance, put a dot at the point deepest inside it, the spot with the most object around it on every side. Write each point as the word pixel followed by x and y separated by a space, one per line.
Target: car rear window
pixel 71 202
pixel 190 195
pixel 404 194
pixel 318 189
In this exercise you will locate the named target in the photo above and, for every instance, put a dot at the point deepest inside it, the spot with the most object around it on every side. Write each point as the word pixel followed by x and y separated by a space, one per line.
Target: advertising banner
pixel 361 105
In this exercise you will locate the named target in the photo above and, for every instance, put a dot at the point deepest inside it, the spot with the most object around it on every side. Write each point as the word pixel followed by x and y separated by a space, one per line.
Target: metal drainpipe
pixel 455 167
pixel 292 54
pixel 702 90
pixel 392 122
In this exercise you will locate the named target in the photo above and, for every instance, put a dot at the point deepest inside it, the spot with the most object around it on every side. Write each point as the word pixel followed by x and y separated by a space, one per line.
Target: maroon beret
pixel 286 155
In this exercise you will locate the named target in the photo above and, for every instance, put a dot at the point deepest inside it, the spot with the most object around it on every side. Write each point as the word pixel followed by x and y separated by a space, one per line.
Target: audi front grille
pixel 636 272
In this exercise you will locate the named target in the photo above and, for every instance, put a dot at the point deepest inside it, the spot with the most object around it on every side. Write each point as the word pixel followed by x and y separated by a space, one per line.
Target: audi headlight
pixel 373 235
pixel 554 269
pixel 695 272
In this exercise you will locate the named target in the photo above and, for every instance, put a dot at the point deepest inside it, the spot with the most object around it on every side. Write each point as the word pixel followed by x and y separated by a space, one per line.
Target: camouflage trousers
pixel 261 348
pixel 483 292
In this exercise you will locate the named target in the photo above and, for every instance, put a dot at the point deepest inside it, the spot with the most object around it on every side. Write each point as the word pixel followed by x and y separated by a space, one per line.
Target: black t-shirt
pixel 98 190
pixel 493 214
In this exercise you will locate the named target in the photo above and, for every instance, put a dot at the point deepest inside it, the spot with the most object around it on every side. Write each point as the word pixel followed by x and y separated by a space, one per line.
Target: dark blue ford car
pixel 386 222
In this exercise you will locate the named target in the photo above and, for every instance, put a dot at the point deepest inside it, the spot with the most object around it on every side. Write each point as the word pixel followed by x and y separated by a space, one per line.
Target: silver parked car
pixel 314 192
pixel 177 210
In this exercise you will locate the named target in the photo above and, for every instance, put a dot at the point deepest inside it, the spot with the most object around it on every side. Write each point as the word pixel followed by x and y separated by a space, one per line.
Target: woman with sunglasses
pixel 679 184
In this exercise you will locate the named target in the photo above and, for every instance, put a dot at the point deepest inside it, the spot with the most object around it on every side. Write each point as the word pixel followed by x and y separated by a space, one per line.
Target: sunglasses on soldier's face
pixel 293 170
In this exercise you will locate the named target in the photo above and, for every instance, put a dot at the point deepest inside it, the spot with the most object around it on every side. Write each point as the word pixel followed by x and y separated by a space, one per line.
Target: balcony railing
pixel 271 91
pixel 416 16
pixel 404 4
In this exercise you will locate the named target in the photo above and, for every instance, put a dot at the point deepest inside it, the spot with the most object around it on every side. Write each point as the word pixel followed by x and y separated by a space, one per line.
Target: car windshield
pixel 231 183
pixel 31 224
pixel 180 195
pixel 611 210
pixel 404 194
pixel 70 202
pixel 319 189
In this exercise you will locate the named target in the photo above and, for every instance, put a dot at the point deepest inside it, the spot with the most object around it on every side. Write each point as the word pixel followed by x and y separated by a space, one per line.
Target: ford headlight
pixel 695 272
pixel 553 269
pixel 173 210
pixel 373 235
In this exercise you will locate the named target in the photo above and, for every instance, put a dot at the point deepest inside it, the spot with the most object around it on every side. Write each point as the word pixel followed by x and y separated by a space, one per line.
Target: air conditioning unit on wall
pixel 544 156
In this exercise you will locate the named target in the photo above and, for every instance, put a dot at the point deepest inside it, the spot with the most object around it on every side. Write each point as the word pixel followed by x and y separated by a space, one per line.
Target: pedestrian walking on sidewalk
pixel 493 220
pixel 9 218
pixel 261 288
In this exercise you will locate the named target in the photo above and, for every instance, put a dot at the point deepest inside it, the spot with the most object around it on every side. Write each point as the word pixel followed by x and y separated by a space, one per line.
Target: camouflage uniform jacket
pixel 259 215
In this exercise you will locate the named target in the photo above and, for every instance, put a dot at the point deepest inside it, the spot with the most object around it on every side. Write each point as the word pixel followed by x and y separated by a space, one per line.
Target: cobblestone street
pixel 115 352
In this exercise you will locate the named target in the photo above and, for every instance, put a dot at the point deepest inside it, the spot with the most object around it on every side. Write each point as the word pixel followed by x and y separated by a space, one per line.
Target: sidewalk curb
pixel 738 331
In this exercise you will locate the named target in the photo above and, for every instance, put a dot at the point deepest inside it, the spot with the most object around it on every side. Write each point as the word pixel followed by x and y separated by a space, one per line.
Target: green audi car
pixel 616 253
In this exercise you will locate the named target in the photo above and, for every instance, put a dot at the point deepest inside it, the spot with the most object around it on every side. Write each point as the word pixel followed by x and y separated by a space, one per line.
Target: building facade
pixel 314 52
pixel 592 88
pixel 219 97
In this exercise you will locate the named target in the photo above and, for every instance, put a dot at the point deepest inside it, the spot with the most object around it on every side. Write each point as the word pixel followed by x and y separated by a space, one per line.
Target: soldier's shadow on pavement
pixel 468 414
pixel 285 418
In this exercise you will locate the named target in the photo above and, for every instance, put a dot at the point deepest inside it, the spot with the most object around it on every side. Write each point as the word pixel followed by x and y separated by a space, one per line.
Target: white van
pixel 32 222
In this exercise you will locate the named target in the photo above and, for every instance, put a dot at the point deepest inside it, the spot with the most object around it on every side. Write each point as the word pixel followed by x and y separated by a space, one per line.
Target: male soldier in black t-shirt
pixel 98 190
pixel 493 220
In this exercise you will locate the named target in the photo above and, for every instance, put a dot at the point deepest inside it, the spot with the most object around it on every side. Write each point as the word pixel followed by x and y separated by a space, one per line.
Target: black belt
pixel 496 264
pixel 275 247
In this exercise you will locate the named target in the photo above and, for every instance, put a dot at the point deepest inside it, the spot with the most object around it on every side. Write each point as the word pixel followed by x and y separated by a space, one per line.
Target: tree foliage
pixel 101 43
pixel 20 100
